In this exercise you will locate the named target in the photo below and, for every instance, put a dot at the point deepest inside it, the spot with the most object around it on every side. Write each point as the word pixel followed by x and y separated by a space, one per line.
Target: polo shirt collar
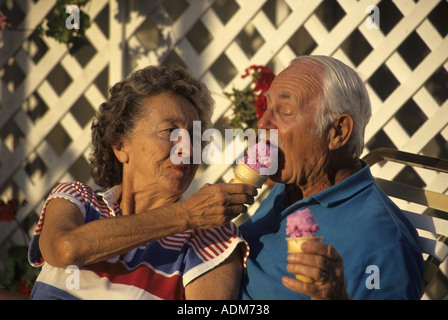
pixel 333 195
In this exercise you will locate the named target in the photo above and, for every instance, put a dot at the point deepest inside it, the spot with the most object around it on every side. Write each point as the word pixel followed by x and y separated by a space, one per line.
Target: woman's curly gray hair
pixel 116 117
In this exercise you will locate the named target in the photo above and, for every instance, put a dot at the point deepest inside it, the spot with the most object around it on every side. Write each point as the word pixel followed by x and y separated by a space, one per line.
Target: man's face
pixel 291 109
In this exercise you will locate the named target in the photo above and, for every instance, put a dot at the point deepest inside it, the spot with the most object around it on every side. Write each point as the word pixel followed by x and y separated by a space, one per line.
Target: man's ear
pixel 120 151
pixel 340 131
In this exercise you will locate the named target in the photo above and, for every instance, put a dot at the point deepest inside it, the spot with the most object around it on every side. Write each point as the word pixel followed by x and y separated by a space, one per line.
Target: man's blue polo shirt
pixel 379 246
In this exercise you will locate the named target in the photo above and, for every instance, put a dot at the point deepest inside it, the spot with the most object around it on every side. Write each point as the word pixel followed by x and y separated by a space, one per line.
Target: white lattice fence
pixel 48 96
pixel 34 136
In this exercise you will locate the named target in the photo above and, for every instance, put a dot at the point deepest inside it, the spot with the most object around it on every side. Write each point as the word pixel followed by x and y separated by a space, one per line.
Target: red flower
pixel 260 102
pixel 8 210
pixel 260 112
pixel 261 105
pixel 262 78
pixel 249 105
pixel 3 23
pixel 24 288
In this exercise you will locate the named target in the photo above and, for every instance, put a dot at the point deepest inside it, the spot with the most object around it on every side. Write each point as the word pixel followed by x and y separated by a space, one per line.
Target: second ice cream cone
pixel 247 175
pixel 295 245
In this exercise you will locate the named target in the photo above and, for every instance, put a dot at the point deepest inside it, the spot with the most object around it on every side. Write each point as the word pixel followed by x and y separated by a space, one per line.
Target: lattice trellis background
pixel 48 97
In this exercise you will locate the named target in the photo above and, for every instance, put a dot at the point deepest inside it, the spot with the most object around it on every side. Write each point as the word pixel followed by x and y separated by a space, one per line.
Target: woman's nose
pixel 186 144
pixel 182 145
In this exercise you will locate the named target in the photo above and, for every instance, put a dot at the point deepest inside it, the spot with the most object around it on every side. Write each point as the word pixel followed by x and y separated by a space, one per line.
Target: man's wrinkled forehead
pixel 300 81
pixel 307 73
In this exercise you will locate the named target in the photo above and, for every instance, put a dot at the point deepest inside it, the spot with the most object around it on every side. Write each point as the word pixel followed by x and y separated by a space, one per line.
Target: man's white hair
pixel 343 92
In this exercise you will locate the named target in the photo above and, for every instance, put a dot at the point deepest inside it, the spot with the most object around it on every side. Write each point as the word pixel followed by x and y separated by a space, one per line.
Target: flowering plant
pixel 17 274
pixel 248 105
pixel 3 23
pixel 55 25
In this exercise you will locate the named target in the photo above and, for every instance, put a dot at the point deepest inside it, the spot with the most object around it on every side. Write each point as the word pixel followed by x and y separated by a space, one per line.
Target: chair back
pixel 432 225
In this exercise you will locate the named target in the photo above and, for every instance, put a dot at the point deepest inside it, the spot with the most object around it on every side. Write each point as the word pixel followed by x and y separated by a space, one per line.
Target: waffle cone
pixel 295 245
pixel 247 175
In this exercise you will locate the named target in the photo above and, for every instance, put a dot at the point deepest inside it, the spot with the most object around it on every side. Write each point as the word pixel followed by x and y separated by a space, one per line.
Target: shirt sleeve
pixel 74 192
pixel 210 247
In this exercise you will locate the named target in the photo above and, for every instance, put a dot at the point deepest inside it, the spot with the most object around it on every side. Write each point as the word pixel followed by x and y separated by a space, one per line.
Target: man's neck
pixel 331 178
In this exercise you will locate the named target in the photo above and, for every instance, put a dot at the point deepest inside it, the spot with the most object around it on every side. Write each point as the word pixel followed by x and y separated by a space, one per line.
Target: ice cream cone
pixel 247 175
pixel 295 245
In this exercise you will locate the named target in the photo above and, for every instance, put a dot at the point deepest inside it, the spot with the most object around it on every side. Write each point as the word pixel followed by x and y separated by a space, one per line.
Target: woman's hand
pixel 215 205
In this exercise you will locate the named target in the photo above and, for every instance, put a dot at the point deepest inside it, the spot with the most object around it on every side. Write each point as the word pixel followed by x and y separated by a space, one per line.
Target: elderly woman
pixel 137 239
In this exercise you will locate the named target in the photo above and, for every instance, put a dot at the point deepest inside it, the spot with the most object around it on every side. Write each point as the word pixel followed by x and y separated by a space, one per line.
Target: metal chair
pixel 433 230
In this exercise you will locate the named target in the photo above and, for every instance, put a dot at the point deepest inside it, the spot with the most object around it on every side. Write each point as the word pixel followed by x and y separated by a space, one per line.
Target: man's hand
pixel 324 265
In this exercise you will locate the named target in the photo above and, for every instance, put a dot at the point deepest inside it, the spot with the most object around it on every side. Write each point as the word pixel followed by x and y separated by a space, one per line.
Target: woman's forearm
pixel 112 237
pixel 67 240
pixel 77 243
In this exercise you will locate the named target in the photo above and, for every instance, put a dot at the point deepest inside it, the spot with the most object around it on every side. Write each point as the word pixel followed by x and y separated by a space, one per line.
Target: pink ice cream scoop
pixel 258 156
pixel 301 224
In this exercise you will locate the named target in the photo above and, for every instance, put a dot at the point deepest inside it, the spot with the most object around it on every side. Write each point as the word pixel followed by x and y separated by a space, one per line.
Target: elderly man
pixel 369 250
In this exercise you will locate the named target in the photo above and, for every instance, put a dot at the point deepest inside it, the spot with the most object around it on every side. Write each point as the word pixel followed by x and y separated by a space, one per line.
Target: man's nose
pixel 266 121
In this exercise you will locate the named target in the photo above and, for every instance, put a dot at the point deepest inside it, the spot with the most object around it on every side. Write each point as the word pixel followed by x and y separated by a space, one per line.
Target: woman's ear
pixel 120 151
pixel 340 132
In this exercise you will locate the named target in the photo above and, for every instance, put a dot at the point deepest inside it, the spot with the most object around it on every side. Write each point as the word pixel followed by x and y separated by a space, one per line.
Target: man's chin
pixel 276 177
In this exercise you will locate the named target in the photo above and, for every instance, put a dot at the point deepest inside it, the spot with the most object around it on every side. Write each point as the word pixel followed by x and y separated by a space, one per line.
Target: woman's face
pixel 147 151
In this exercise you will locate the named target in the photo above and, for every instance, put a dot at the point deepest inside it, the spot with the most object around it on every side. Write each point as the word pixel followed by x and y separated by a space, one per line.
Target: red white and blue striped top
pixel 159 270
